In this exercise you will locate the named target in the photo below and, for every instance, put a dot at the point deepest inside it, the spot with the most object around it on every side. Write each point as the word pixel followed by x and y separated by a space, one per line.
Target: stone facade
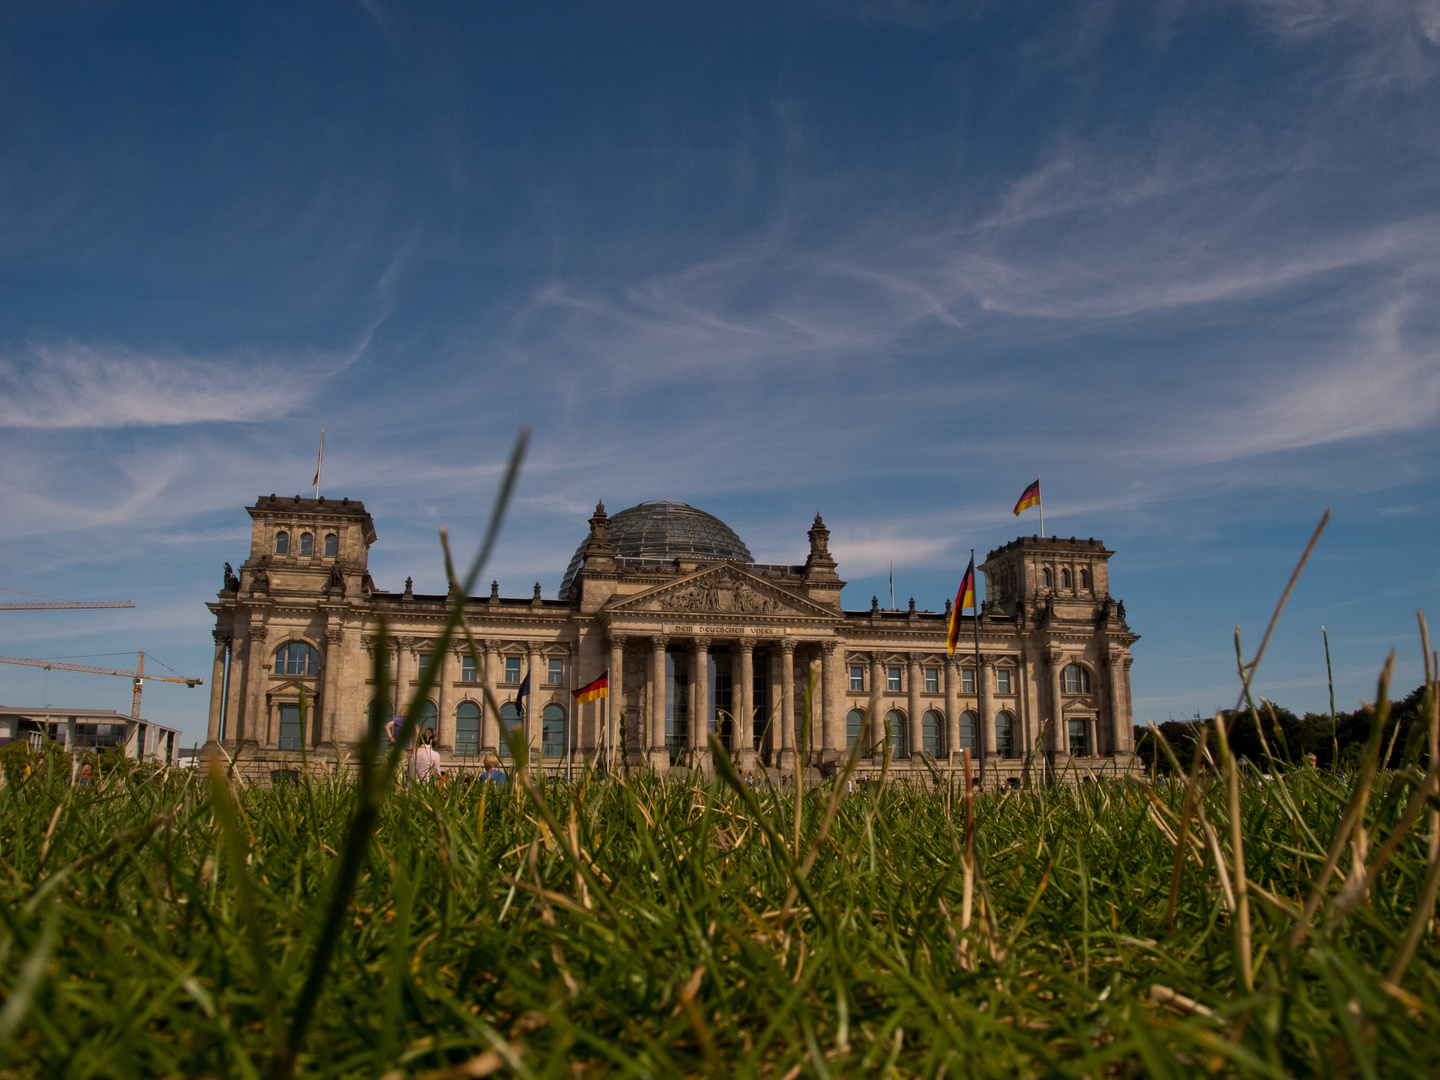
pixel 687 626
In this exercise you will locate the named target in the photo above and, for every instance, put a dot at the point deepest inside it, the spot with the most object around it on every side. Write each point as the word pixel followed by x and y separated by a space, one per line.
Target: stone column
pixel 952 709
pixel 659 757
pixel 255 679
pixel 700 713
pixel 444 694
pixel 327 714
pixel 217 687
pixel 235 688
pixel 915 677
pixel 615 701
pixel 489 721
pixel 787 760
pixel 877 706
pixel 832 730
pixel 1059 741
pixel 985 698
pixel 402 677
pixel 1093 747
pixel 742 700
pixel 1117 713
pixel 534 705
pixel 1127 726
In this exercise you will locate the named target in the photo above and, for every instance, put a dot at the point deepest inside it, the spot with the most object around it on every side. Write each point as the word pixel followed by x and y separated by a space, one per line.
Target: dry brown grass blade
pixel 1369 760
pixel 1237 853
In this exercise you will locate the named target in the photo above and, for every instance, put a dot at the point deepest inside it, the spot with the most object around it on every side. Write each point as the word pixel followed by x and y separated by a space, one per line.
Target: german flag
pixel 963 599
pixel 593 691
pixel 1028 498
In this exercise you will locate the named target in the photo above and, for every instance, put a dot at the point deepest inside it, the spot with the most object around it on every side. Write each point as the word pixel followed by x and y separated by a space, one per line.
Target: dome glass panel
pixel 663 529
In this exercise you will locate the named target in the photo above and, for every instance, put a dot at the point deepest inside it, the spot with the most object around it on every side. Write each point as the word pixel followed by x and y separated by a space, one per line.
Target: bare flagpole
pixel 318 462
pixel 892 584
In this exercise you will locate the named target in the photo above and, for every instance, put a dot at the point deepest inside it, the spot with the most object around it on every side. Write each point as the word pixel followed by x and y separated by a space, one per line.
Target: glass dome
pixel 663 529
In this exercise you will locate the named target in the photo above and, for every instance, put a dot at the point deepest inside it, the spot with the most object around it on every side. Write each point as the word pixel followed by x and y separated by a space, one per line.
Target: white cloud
pixel 74 385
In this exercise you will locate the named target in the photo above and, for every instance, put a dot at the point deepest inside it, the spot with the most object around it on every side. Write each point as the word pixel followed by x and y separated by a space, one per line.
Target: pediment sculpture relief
pixel 723 595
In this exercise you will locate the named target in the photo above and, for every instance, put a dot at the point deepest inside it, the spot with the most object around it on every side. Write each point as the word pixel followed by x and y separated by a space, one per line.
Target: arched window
pixel 896 720
pixel 1084 579
pixel 510 718
pixel 467 729
pixel 854 723
pixel 1005 733
pixel 428 715
pixel 296 658
pixel 968 727
pixel 307 543
pixel 332 544
pixel 1077 679
pixel 930 726
pixel 552 731
pixel 282 543
pixel 379 713
pixel 1047 579
pixel 1065 577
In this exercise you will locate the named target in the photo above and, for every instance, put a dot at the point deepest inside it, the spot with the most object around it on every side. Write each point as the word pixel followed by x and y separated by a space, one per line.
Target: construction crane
pixel 138 674
pixel 56 604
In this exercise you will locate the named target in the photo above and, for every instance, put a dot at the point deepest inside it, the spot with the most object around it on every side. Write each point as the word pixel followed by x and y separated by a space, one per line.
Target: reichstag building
pixel 696 637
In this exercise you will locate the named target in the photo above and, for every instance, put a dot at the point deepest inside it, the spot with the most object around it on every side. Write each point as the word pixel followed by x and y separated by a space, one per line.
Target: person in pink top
pixel 425 761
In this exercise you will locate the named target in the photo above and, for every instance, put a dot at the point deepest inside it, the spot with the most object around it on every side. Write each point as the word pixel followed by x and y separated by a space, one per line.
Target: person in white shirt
pixel 425 761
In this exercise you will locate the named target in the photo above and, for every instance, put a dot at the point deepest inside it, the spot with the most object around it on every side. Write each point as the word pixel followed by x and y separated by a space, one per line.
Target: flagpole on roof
pixel 892 584
pixel 1040 502
pixel 318 462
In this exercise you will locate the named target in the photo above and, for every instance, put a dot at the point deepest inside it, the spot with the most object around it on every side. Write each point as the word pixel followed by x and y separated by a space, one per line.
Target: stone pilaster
pixel 614 701
pixel 832 732
pixel 327 724
pixel 256 721
pixel 535 704
pixel 952 709
pixel 915 678
pixel 489 720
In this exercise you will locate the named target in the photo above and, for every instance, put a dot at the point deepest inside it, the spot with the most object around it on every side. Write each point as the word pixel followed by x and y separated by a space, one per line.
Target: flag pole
pixel 1040 501
pixel 892 584
pixel 318 462
pixel 979 700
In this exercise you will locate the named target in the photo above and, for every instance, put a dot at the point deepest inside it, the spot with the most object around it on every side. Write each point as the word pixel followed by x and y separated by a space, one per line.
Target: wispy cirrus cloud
pixel 74 385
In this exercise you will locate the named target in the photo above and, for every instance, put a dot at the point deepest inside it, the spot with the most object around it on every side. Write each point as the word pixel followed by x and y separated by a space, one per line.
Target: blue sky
pixel 884 260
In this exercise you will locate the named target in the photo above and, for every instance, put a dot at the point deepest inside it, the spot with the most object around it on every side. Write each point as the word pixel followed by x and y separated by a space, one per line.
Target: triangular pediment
pixel 722 590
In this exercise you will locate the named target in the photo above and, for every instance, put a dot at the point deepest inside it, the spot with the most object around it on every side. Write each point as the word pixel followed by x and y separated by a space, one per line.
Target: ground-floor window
pixel 291 732
pixel 930 725
pixel 467 729
pixel 510 718
pixel 854 724
pixel 552 731
pixel 968 726
pixel 1005 734
pixel 1079 745
pixel 897 733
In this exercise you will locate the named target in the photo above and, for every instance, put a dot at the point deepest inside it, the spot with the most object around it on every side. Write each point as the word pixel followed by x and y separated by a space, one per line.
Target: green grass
pixel 471 931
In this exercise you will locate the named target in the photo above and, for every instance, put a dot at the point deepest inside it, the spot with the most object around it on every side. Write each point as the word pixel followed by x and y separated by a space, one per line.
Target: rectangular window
pixel 967 680
pixel 512 669
pixel 555 673
pixel 932 680
pixel 290 733
pixel 857 679
pixel 421 663
pixel 892 680
pixel 467 669
pixel 1004 680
